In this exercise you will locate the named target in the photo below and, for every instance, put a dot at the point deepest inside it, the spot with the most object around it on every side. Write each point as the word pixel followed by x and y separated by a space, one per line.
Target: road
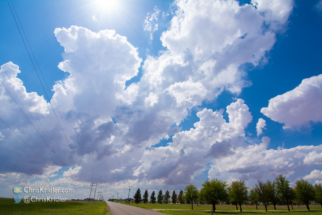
pixel 120 209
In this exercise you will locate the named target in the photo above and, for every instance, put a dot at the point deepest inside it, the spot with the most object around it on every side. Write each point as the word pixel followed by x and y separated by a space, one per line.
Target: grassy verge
pixel 185 209
pixel 7 206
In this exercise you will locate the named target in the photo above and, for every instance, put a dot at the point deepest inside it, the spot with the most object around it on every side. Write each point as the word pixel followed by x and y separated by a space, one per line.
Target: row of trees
pixel 215 191
pixel 160 198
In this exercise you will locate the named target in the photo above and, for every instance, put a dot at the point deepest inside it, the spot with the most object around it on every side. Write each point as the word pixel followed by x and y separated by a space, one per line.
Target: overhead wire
pixel 297 135
pixel 287 115
pixel 32 123
pixel 34 66
pixel 22 140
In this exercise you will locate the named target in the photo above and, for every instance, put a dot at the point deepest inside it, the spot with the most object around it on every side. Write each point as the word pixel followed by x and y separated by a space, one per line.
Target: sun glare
pixel 107 5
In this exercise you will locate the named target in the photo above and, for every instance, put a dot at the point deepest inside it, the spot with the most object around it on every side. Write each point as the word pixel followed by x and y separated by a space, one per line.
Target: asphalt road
pixel 120 209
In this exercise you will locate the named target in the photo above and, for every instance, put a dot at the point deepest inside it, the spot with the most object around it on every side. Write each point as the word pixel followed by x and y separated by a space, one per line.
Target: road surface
pixel 120 209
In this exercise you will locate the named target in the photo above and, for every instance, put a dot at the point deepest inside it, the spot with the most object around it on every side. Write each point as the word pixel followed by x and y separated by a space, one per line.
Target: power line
pixel 23 140
pixel 32 123
pixel 297 135
pixel 35 66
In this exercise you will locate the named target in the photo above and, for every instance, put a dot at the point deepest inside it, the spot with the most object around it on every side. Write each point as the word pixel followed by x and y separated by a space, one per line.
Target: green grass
pixel 302 212
pixel 185 209
pixel 7 206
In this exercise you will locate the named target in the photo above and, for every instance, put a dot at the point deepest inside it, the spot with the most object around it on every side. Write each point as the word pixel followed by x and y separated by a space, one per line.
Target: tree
pixel 174 197
pixel 180 197
pixel 152 197
pixel 214 191
pixel 137 196
pixel 160 197
pixel 318 193
pixel 166 197
pixel 145 197
pixel 253 197
pixel 238 192
pixel 191 194
pixel 271 186
pixel 304 192
pixel 263 192
pixel 284 190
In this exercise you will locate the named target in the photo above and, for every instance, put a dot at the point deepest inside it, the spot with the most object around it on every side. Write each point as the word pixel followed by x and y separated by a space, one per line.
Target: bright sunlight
pixel 106 5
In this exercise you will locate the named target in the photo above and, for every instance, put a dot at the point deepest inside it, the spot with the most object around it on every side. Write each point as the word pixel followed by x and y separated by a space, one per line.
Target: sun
pixel 107 5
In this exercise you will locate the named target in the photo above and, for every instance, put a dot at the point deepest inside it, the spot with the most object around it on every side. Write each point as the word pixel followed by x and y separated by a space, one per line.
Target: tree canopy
pixel 263 192
pixel 271 186
pixel 284 191
pixel 160 197
pixel 174 197
pixel 304 192
pixel 238 192
pixel 180 197
pixel 166 197
pixel 146 197
pixel 137 196
pixel 152 197
pixel 214 191
pixel 318 193
pixel 253 197
pixel 190 194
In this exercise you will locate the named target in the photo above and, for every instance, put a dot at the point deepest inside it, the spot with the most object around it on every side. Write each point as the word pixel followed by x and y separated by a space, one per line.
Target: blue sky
pixel 160 94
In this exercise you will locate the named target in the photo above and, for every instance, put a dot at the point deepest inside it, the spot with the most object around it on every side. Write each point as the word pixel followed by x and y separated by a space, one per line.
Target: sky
pixel 158 94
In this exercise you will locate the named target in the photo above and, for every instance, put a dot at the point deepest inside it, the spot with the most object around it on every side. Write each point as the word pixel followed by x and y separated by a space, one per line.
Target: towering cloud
pixel 110 130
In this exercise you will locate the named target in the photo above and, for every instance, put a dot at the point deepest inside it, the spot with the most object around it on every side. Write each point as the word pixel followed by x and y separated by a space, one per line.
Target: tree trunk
pixel 307 206
pixel 292 204
pixel 288 206
pixel 265 207
pixel 240 207
pixel 236 206
pixel 214 206
pixel 256 206
pixel 274 205
pixel 191 205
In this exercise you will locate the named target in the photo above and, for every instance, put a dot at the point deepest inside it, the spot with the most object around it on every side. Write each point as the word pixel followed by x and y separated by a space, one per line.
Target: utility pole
pixel 95 191
pixel 99 196
pixel 128 197
pixel 90 192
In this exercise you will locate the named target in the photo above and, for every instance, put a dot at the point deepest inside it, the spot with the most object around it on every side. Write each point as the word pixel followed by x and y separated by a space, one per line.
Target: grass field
pixel 8 207
pixel 185 209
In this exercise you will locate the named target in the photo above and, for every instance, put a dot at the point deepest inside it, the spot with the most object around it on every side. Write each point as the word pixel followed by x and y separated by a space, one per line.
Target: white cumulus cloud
pixel 315 174
pixel 299 106
pixel 260 126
